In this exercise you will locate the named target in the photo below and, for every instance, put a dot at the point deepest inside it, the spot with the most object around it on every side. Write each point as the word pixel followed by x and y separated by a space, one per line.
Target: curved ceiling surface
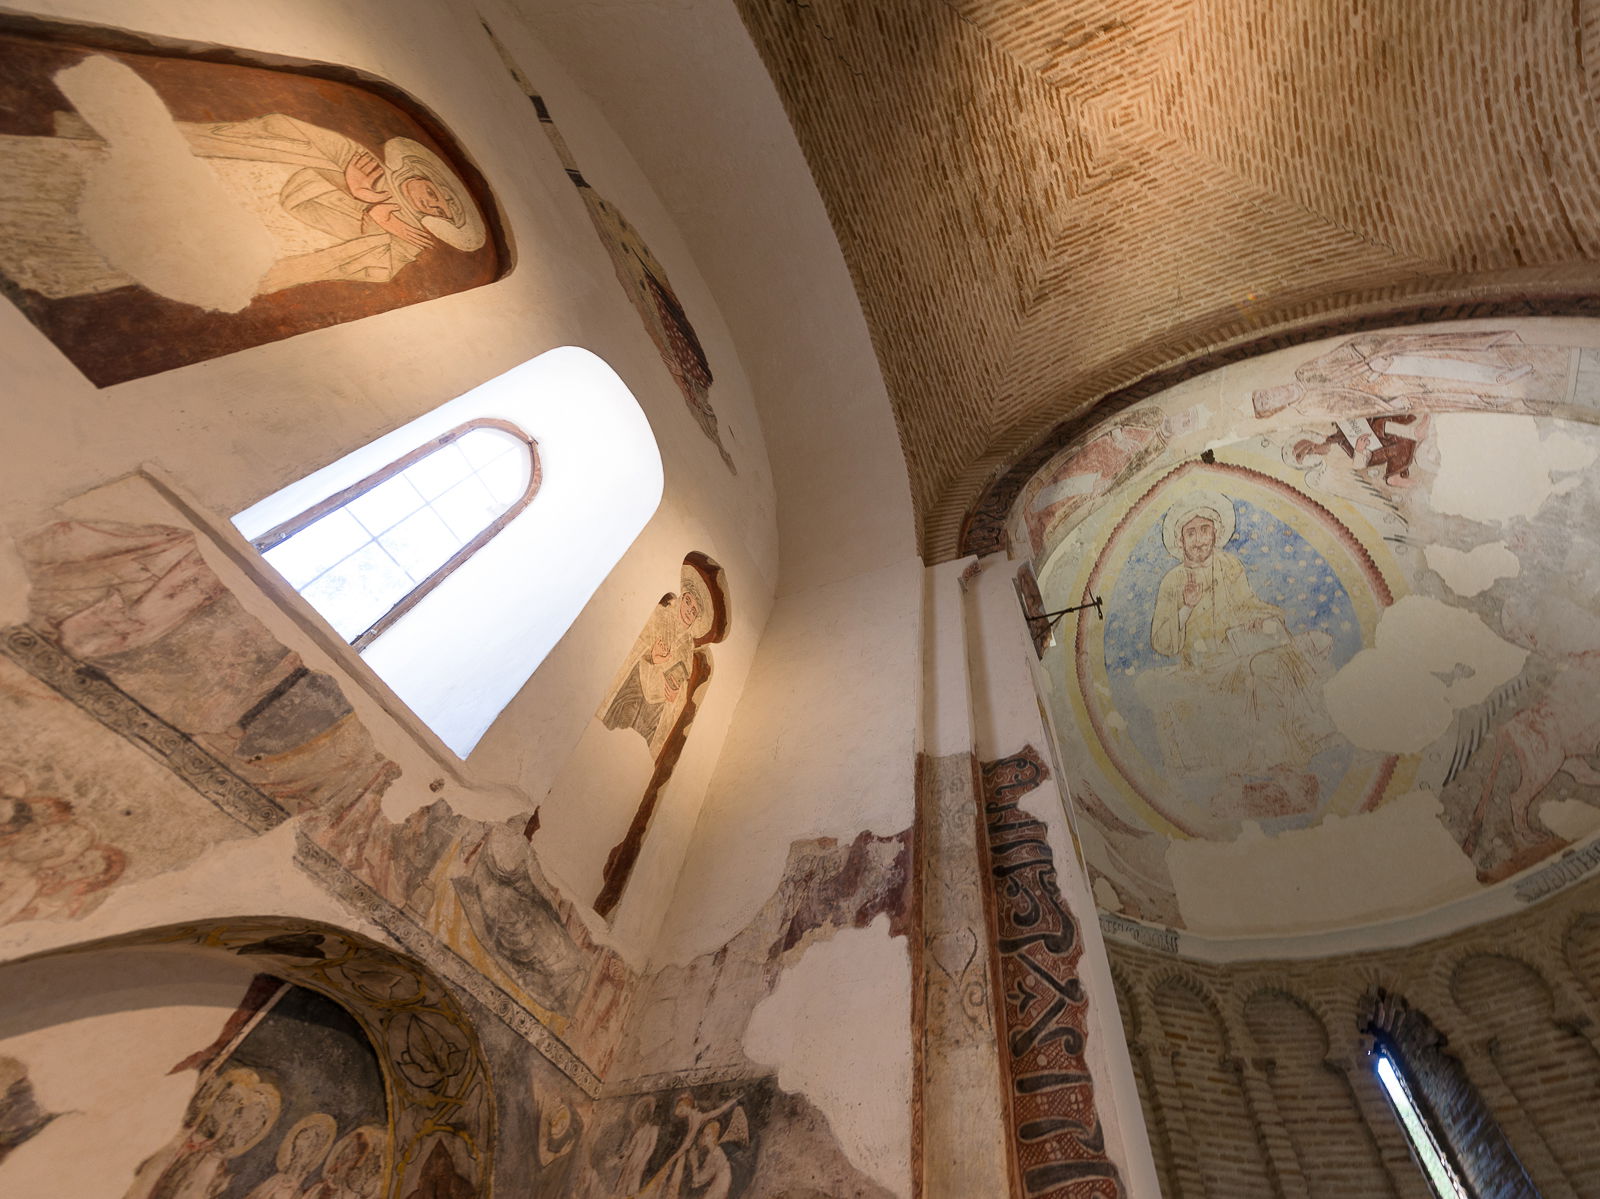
pixel 1043 202
pixel 1349 669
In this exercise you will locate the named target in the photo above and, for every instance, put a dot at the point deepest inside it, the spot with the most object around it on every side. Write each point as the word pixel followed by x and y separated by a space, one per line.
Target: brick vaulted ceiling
pixel 1044 202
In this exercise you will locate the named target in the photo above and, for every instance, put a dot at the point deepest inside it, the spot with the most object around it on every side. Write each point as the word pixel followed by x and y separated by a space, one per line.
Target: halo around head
pixel 408 159
pixel 1212 505
pixel 692 584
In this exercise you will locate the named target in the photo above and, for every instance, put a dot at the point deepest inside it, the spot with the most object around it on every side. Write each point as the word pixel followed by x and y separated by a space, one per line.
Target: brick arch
pixel 1581 949
pixel 1551 1071
pixel 1333 1146
pixel 1202 1089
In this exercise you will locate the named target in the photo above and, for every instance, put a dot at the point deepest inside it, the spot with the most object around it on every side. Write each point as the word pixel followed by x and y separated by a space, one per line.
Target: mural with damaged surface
pixel 269 201
pixel 164 720
pixel 1348 659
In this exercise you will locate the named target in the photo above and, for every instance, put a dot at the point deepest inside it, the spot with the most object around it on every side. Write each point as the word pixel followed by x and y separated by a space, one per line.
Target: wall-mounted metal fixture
pixel 1051 619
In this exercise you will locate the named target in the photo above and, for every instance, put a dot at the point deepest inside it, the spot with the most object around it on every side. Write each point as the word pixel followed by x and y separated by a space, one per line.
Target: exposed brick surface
pixel 1498 1021
pixel 1044 201
pixel 1333 1150
pixel 1204 1090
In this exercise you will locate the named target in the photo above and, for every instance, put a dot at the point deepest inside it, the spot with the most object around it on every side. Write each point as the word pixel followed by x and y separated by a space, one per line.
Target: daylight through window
pixel 366 555
pixel 1423 1143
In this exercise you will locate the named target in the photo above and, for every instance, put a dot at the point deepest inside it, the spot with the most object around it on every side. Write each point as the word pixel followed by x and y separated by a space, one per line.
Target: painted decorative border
pixel 1057 1143
pixel 97 695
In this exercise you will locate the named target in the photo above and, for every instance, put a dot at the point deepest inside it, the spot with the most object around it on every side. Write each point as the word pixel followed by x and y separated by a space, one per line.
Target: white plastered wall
pixel 823 743
pixel 230 430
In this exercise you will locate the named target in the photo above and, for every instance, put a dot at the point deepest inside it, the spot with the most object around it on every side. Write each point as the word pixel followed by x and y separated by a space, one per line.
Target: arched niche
pixel 175 1028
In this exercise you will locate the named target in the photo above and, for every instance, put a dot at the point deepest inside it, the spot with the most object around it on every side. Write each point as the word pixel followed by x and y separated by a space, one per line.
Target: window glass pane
pixel 483 446
pixel 439 471
pixel 360 560
pixel 358 590
pixel 316 547
pixel 506 477
pixel 421 544
pixel 468 508
pixel 387 504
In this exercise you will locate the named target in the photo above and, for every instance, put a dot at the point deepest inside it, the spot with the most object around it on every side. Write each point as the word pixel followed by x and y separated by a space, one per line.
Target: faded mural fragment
pixel 269 202
pixel 659 692
pixel 1058 1144
pixel 134 644
pixel 642 277
pixel 1356 573
pixel 21 1117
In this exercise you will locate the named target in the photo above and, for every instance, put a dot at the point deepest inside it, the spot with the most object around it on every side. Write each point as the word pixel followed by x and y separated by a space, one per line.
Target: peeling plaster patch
pixel 1495 475
pixel 154 210
pixel 1348 870
pixel 1392 698
pixel 837 1027
pixel 1570 819
pixel 1473 571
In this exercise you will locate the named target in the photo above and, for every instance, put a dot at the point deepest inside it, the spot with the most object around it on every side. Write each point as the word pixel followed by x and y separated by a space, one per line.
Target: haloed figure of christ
pixel 1244 693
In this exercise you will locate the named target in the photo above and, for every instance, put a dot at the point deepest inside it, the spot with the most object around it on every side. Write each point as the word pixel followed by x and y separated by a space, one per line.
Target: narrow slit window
pixel 1425 1146
pixel 366 555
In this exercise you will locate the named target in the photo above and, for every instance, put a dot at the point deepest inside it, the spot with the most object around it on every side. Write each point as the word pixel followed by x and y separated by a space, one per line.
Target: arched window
pixel 454 552
pixel 1431 1155
pixel 1453 1135
pixel 366 555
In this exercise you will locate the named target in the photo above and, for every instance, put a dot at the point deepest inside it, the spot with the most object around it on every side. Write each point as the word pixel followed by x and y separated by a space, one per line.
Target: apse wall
pixel 1259 1078
pixel 203 743
pixel 1357 708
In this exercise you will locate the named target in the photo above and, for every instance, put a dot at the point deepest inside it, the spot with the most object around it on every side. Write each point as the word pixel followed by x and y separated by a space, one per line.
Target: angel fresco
pixel 1442 372
pixel 657 693
pixel 124 201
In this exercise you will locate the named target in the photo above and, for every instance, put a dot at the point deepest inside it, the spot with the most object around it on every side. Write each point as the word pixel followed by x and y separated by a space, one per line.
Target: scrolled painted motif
pixel 1057 1142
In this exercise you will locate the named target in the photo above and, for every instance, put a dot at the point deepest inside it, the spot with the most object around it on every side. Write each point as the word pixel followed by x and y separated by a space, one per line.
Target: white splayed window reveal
pixel 1424 1145
pixel 455 552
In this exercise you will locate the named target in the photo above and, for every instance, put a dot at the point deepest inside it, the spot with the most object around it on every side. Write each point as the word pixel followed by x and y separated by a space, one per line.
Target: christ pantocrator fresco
pixel 1237 664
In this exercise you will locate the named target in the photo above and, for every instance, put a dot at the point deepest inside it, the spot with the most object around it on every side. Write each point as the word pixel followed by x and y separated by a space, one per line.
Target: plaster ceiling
pixel 1368 690
pixel 1044 202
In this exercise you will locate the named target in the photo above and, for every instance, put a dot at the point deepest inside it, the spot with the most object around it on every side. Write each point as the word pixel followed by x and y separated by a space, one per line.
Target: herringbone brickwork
pixel 1044 201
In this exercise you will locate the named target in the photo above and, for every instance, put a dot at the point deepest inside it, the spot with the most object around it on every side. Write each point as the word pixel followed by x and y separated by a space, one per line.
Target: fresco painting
pixel 1252 581
pixel 1206 635
pixel 657 693
pixel 643 278
pixel 288 1102
pixel 267 202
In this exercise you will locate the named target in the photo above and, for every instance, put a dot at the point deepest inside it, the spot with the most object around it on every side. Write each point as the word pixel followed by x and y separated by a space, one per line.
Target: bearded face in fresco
pixel 1199 539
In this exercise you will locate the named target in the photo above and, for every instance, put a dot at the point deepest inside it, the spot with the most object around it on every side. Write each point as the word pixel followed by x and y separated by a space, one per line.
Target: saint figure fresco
pixel 652 691
pixel 156 211
pixel 657 693
pixel 1243 694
